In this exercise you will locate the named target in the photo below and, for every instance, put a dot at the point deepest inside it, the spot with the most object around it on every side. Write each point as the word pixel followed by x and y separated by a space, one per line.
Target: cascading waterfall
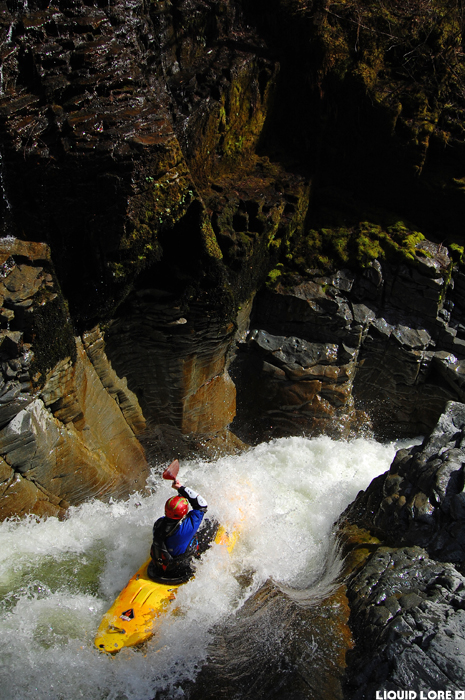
pixel 58 578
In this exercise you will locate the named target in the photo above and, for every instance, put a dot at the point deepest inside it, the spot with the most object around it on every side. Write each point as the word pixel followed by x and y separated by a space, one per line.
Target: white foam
pixel 57 578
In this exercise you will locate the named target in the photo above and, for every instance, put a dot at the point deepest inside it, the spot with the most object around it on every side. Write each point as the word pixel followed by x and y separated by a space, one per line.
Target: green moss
pixel 209 239
pixel 406 58
pixel 356 246
pixel 424 253
pixel 456 251
pixel 368 249
pixel 404 240
pixel 231 130
pixel 159 206
pixel 274 275
pixel 338 240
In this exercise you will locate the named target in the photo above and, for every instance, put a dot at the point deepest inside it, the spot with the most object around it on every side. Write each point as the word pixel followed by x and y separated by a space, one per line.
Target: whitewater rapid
pixel 58 578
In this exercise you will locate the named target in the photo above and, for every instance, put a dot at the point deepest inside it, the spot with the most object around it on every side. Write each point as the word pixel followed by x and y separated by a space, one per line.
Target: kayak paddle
pixel 171 472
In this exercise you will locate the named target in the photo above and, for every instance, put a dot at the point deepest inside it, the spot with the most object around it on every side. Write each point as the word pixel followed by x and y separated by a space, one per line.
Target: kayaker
pixel 175 539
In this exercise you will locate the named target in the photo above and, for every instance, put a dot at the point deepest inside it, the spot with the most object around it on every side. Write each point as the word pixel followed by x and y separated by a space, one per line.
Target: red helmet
pixel 176 507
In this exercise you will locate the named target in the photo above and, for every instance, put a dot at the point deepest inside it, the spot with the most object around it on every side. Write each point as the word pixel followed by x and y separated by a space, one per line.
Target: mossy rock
pixel 457 252
pixel 209 239
pixel 274 275
pixel 356 246
pixel 161 204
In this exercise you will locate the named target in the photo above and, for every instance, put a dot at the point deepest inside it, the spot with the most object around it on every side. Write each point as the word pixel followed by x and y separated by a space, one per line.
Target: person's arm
pixel 196 501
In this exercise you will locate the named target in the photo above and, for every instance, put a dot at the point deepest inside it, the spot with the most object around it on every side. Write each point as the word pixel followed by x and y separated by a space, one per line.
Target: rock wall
pixel 408 613
pixel 408 598
pixel 418 502
pixel 68 427
pixel 382 348
pixel 206 204
pixel 152 115
pixel 181 159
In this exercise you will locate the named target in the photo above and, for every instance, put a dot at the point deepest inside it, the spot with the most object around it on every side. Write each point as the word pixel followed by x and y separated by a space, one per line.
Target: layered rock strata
pixel 177 366
pixel 152 115
pixel 68 427
pixel 325 352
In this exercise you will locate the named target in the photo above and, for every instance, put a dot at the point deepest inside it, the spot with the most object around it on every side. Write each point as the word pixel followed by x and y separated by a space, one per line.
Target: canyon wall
pixel 222 222
pixel 407 589
pixel 68 424
pixel 226 221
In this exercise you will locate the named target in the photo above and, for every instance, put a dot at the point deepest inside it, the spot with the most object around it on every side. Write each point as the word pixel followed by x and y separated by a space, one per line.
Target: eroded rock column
pixel 68 426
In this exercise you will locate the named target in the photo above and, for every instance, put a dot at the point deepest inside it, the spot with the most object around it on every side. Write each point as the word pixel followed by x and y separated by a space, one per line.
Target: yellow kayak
pixel 132 617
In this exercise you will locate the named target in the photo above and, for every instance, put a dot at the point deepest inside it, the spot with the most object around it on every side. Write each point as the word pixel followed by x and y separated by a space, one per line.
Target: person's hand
pixel 176 484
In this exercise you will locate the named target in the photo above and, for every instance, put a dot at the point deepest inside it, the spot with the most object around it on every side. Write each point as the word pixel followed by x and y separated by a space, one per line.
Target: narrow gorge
pixel 225 223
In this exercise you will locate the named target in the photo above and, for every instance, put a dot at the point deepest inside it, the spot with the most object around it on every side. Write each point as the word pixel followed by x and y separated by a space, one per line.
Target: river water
pixel 58 578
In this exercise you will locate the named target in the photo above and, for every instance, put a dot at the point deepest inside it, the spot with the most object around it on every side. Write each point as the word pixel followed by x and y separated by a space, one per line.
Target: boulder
pixel 307 384
pixel 408 615
pixel 419 501
pixel 407 596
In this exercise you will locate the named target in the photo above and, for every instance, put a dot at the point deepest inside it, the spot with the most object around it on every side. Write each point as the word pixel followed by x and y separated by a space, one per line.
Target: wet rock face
pixel 160 118
pixel 128 109
pixel 326 352
pixel 419 501
pixel 408 614
pixel 132 133
pixel 305 378
pixel 176 365
pixel 75 103
pixel 36 329
pixel 70 441
pixel 301 384
pixel 148 144
pixel 407 599
pixel 68 424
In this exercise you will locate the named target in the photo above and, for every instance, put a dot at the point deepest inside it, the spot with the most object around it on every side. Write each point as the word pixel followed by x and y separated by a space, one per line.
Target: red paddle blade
pixel 171 472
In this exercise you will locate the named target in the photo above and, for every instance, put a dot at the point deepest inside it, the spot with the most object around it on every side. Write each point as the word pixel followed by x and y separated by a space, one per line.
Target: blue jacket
pixel 179 542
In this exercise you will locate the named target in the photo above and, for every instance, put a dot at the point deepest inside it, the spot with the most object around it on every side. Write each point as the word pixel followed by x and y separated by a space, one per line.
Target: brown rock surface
pixel 19 496
pixel 66 434
pixel 157 129
pixel 387 344
pixel 94 345
pixel 94 454
pixel 211 407
pixel 176 365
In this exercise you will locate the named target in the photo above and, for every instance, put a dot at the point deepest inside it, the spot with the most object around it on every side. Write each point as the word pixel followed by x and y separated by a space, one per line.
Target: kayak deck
pixel 131 619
